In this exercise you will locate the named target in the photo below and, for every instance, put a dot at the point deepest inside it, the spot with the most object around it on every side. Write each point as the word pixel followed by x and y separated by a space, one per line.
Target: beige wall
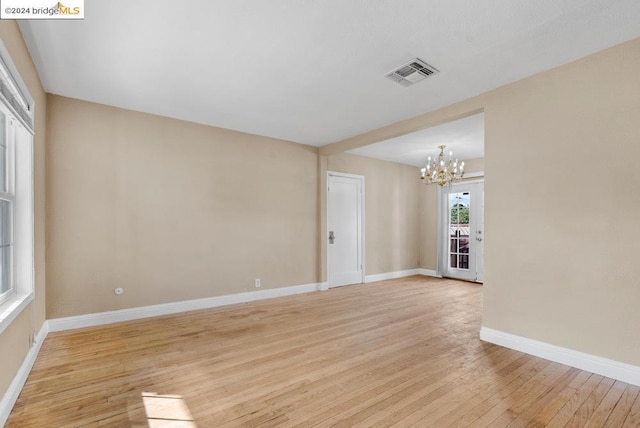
pixel 562 227
pixel 429 218
pixel 170 210
pixel 391 211
pixel 561 151
pixel 14 341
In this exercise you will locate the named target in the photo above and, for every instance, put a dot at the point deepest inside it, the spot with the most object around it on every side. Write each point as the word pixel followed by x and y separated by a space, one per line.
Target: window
pixel 16 192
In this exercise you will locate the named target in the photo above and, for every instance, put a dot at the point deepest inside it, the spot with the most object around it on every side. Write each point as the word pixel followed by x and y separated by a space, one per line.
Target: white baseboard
pixel 429 272
pixel 11 396
pixel 102 318
pixel 591 363
pixel 323 286
pixel 400 274
pixel 390 275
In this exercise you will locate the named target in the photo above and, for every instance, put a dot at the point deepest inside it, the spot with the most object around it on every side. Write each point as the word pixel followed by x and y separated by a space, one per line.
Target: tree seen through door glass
pixel 459 204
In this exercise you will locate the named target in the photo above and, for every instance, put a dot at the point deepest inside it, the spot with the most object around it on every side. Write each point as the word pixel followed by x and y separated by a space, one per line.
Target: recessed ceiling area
pixel 308 71
pixel 465 137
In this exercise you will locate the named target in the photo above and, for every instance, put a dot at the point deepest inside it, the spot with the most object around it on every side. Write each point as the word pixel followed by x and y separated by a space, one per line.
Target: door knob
pixel 332 237
pixel 478 239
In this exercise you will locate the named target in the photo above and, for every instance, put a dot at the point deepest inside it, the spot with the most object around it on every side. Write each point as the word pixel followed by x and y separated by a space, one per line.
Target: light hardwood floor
pixel 400 353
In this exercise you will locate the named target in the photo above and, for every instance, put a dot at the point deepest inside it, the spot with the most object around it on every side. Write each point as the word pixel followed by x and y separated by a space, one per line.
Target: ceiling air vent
pixel 412 72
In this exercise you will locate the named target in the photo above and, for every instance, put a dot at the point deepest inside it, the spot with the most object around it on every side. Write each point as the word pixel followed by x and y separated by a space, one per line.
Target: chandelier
pixel 442 171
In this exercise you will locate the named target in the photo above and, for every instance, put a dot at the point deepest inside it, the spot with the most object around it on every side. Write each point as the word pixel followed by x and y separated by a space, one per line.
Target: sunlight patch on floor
pixel 167 411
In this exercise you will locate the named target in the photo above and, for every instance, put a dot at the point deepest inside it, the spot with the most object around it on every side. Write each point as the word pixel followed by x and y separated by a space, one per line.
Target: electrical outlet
pixel 258 283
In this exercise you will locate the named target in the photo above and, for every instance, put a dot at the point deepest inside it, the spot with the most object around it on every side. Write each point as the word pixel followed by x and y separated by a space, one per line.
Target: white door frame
pixel 442 220
pixel 361 222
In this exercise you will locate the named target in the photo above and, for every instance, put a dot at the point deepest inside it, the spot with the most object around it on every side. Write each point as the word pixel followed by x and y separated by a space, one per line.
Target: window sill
pixel 10 309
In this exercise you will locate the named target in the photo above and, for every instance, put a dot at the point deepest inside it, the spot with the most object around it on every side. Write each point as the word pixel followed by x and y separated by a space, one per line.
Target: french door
pixel 463 234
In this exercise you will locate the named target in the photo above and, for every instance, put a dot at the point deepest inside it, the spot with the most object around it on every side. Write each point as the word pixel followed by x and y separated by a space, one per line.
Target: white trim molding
pixel 11 309
pixel 102 318
pixel 11 396
pixel 429 272
pixel 603 366
pixel 477 174
pixel 391 275
pixel 401 274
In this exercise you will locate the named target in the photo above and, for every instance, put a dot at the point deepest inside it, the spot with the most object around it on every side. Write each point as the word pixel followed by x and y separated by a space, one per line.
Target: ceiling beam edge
pixel 446 114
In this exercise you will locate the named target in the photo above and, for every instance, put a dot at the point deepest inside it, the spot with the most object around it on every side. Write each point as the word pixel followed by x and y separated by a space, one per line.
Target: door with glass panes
pixel 464 239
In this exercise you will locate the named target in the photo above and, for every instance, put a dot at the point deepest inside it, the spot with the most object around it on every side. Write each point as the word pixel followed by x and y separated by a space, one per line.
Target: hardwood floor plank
pixel 551 408
pixel 498 392
pixel 529 395
pixel 633 417
pixel 362 410
pixel 569 409
pixel 588 407
pixel 402 352
pixel 623 407
pixel 606 406
pixel 507 409
pixel 529 416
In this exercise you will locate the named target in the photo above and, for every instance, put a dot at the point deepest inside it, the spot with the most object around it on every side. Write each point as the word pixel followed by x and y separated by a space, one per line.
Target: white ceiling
pixel 465 137
pixel 311 71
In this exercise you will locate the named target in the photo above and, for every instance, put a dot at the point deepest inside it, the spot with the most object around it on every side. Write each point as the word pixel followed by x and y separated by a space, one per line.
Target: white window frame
pixel 9 195
pixel 18 107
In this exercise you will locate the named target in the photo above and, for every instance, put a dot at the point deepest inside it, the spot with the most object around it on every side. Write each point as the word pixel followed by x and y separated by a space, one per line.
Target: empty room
pixel 307 213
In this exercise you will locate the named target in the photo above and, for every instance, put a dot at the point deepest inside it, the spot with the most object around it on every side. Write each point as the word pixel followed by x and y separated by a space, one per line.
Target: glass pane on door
pixel 459 212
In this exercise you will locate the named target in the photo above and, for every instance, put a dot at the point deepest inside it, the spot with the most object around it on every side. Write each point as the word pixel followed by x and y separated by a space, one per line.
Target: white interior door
pixel 463 235
pixel 345 194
